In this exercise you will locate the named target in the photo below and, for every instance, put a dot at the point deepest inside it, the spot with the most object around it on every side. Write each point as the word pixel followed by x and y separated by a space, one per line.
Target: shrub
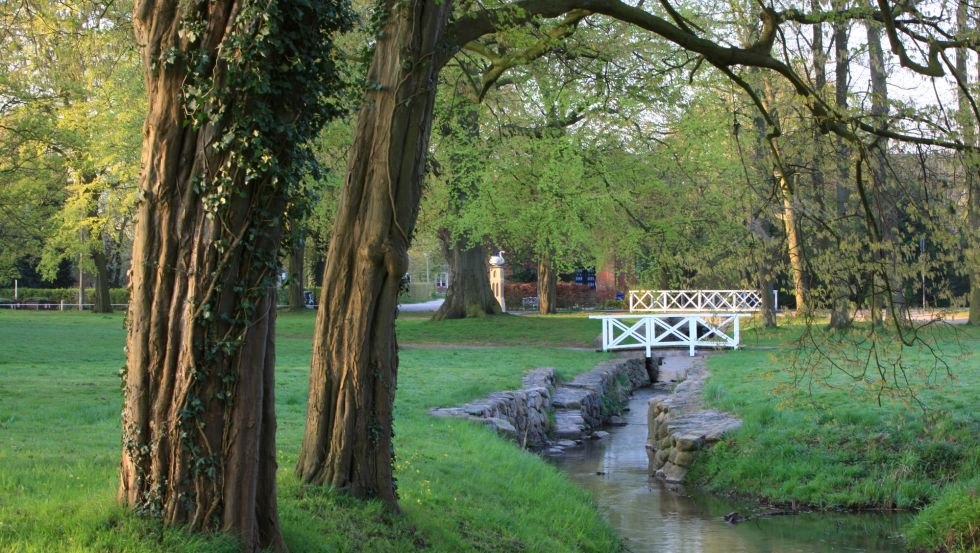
pixel 117 296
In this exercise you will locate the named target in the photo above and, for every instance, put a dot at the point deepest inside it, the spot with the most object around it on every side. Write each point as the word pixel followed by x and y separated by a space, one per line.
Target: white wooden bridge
pixel 679 318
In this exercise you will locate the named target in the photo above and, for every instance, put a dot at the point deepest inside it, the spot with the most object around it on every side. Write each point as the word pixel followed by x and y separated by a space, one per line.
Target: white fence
pixel 695 301
pixel 689 330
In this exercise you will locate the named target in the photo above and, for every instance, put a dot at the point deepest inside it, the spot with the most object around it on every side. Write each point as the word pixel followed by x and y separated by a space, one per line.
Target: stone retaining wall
pixel 679 426
pixel 579 406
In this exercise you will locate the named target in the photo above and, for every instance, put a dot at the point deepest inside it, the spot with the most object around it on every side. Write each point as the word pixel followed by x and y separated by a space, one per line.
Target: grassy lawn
pixel 461 487
pixel 812 436
pixel 815 436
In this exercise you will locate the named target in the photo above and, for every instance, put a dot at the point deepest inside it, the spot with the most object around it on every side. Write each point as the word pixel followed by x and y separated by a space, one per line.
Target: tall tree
pixel 966 118
pixel 347 443
pixel 840 316
pixel 469 293
pixel 235 89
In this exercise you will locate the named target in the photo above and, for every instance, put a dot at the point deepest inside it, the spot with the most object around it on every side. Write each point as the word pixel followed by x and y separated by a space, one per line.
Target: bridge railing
pixel 695 301
pixel 689 330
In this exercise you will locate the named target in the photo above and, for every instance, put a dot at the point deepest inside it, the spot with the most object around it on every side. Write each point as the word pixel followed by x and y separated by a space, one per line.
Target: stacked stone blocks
pixel 580 406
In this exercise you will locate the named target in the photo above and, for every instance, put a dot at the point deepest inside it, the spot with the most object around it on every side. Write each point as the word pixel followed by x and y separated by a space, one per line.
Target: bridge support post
pixel 692 333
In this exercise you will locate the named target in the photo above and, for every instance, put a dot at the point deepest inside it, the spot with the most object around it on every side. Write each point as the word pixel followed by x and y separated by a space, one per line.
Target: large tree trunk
pixel 547 286
pixel 198 421
pixel 469 293
pixel 348 438
pixel 759 226
pixel 297 253
pixel 101 303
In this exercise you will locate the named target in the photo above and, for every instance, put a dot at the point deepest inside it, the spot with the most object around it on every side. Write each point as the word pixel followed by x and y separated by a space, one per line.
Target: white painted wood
pixel 690 330
pixel 690 301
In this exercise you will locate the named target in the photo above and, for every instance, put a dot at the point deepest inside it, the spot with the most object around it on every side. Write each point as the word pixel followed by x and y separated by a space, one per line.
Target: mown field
pixel 820 432
pixel 461 487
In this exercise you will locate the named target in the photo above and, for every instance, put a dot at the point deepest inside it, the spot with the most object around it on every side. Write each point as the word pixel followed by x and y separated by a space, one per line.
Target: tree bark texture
pixel 198 423
pixel 547 286
pixel 221 161
pixel 794 245
pixel 297 280
pixel 971 167
pixel 348 438
pixel 101 303
pixel 763 273
pixel 973 252
pixel 469 293
pixel 762 229
pixel 840 311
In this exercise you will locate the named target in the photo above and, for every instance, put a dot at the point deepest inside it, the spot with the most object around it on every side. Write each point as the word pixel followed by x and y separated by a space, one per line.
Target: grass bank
pixel 883 436
pixel 461 487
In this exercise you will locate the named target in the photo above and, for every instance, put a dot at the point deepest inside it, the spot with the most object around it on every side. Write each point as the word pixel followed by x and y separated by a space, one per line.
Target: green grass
pixel 573 330
pixel 901 438
pixel 462 488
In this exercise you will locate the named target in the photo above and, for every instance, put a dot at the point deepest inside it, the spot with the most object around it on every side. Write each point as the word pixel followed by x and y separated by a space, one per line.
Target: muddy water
pixel 653 517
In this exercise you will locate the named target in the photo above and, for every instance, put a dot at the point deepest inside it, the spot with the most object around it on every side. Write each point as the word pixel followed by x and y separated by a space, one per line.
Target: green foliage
pixel 70 127
pixel 462 487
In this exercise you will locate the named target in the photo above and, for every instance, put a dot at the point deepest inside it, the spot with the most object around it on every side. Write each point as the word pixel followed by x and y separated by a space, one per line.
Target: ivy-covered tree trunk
pixel 469 293
pixel 297 254
pixel 348 438
pixel 221 161
pixel 547 286
pixel 101 303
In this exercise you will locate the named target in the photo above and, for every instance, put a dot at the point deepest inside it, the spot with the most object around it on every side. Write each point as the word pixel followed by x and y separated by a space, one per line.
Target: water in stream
pixel 654 517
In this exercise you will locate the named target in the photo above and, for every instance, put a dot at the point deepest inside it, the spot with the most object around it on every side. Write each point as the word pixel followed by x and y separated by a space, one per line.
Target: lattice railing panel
pixel 685 301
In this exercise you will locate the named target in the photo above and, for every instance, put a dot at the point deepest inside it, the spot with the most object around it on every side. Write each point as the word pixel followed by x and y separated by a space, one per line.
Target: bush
pixel 117 296
pixel 418 292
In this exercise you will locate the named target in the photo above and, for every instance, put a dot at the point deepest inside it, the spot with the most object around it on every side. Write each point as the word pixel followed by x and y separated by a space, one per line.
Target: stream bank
pixel 612 462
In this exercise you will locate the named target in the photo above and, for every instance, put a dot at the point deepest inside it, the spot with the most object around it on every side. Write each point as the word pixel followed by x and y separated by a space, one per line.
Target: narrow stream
pixel 654 517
